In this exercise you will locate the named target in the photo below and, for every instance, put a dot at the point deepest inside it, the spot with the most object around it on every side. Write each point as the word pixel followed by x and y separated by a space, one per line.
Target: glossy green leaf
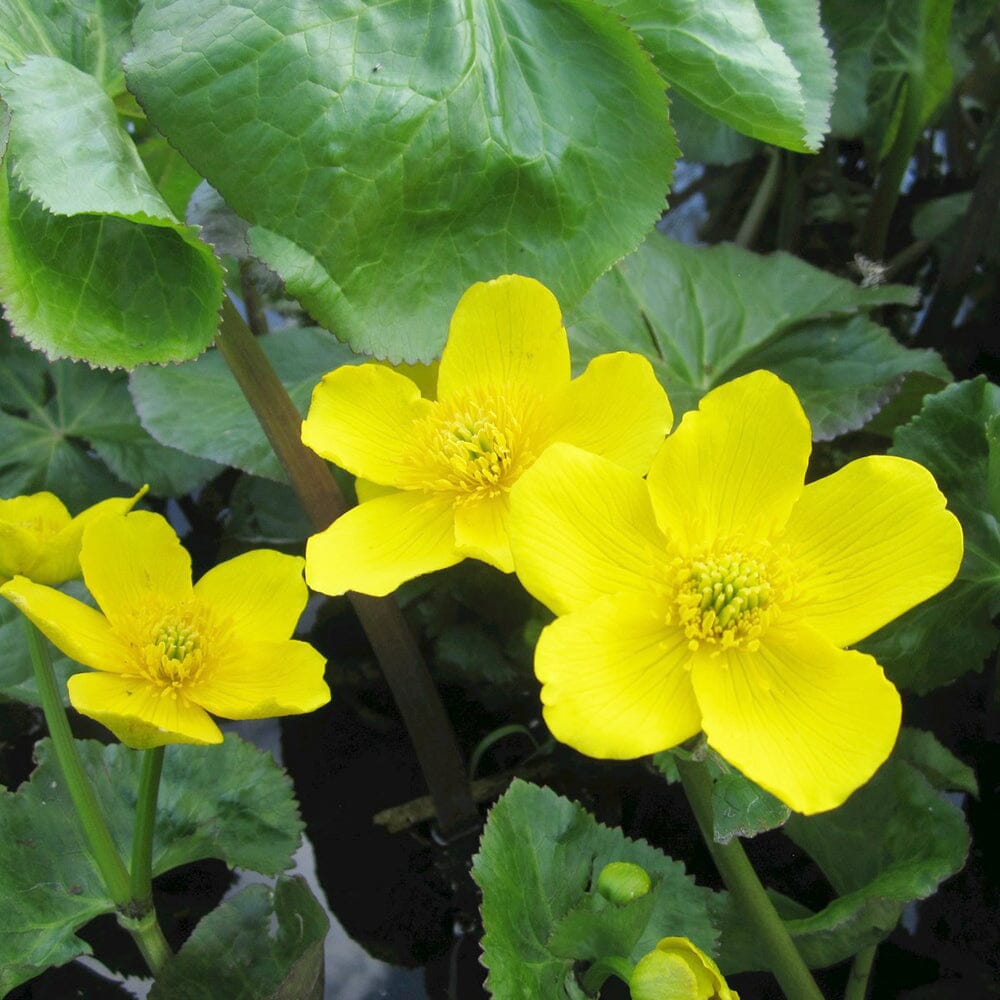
pixel 93 35
pixel 390 154
pixel 230 802
pixel 92 263
pixel 73 431
pixel 953 632
pixel 262 513
pixel 198 407
pixel 705 315
pixel 937 763
pixel 537 866
pixel 894 841
pixel 852 26
pixel 264 943
pixel 763 68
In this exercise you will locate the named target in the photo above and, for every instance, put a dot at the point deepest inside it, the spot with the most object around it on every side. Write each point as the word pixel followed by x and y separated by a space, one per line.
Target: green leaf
pixel 74 431
pixel 264 943
pixel 993 464
pixel 705 315
pixel 92 263
pixel 937 764
pixel 537 866
pixel 894 841
pixel 740 807
pixel 230 802
pixel 851 26
pixel 764 68
pixel 264 513
pixel 909 62
pixel 91 34
pixel 169 171
pixel 389 155
pixel 844 371
pixel 952 633
pixel 217 423
pixel 705 139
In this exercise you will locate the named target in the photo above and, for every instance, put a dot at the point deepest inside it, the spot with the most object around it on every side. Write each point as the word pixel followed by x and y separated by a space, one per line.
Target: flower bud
pixel 621 881
pixel 676 970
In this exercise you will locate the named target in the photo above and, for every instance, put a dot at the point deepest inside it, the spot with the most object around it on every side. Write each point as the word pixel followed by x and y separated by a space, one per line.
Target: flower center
pixel 172 653
pixel 724 600
pixel 475 446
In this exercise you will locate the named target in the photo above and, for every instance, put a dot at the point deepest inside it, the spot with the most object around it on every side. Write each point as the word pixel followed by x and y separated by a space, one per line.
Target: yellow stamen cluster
pixel 724 600
pixel 171 650
pixel 473 447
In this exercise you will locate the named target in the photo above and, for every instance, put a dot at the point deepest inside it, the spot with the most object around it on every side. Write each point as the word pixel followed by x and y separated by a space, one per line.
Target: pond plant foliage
pixel 626 371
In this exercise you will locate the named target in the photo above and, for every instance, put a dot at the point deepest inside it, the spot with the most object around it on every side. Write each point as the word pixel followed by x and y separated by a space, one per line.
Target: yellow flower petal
pixel 140 714
pixel 614 680
pixel 79 631
pixel 868 543
pixel 262 679
pixel 482 530
pixel 617 409
pixel 374 548
pixel 805 720
pixel 733 468
pixel 60 560
pixel 261 594
pixel 582 527
pixel 361 418
pixel 505 332
pixel 27 526
pixel 128 560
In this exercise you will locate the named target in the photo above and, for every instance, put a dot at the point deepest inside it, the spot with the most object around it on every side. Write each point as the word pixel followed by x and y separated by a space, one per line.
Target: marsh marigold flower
pixel 719 594
pixel 40 540
pixel 676 969
pixel 437 473
pixel 165 653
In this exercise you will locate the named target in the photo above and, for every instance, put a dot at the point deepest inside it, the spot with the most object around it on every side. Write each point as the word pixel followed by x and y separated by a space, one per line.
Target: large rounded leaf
pixel 390 154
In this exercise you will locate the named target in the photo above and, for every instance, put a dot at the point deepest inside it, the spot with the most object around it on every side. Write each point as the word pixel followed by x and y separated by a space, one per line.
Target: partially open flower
pixel 40 540
pixel 678 970
pixel 166 653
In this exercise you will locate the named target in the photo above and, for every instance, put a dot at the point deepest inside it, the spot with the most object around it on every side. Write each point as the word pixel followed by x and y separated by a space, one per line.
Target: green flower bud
pixel 621 881
pixel 676 970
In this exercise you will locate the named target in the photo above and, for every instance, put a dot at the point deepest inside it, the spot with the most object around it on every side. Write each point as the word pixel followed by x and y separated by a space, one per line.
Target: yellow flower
pixel 719 595
pixel 677 970
pixel 167 653
pixel 39 539
pixel 437 472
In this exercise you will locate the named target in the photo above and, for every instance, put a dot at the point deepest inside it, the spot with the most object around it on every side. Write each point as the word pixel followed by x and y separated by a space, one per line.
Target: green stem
pixel 762 201
pixel 138 919
pixel 861 970
pixel 391 639
pixel 611 965
pixel 145 823
pixel 103 850
pixel 875 230
pixel 748 894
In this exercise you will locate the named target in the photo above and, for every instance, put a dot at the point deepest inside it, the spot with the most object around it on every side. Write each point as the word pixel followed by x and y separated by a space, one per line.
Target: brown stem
pixel 394 645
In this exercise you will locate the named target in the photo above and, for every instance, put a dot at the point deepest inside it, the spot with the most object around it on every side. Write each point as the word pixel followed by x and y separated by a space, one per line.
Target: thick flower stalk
pixel 166 653
pixel 436 474
pixel 40 540
pixel 676 969
pixel 720 594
